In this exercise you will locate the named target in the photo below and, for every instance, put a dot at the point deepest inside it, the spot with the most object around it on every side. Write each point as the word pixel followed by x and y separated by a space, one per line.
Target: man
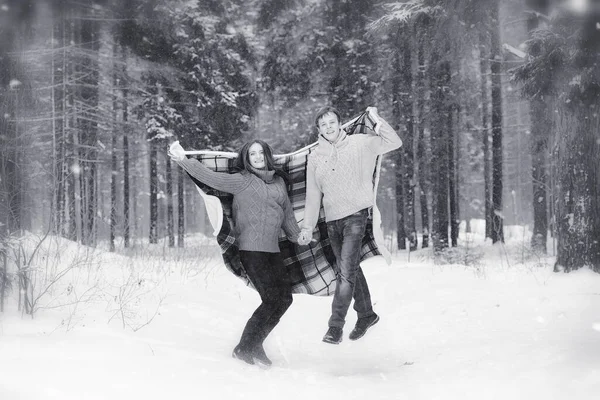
pixel 340 172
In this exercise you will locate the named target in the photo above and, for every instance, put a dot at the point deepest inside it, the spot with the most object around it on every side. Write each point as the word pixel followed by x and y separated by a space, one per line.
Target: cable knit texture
pixel 341 173
pixel 261 206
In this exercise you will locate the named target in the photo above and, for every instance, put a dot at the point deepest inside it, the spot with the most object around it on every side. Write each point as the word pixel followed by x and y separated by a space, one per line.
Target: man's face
pixel 329 126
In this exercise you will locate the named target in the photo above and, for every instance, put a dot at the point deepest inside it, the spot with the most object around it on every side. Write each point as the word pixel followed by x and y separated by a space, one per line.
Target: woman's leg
pixel 282 294
pixel 269 277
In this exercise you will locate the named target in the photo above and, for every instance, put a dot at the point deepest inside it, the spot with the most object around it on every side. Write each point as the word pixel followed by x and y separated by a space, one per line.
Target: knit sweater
pixel 341 173
pixel 261 206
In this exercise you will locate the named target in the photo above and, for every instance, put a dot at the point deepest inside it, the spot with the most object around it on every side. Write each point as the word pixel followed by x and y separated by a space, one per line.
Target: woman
pixel 261 208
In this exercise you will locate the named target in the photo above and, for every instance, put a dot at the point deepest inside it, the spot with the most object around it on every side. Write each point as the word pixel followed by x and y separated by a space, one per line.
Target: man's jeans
pixel 346 236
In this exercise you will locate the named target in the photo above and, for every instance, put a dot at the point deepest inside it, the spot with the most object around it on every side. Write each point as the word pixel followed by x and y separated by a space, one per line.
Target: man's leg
pixel 346 238
pixel 362 296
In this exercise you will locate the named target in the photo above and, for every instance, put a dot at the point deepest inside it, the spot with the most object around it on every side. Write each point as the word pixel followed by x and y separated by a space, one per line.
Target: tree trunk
pixel 180 208
pixel 541 126
pixel 153 235
pixel 5 178
pixel 89 124
pixel 12 167
pixel 399 119
pixel 452 177
pixel 126 194
pixel 79 127
pixel 79 186
pixel 113 191
pixel 135 209
pixel 9 196
pixel 400 225
pixel 540 131
pixel 113 156
pixel 64 171
pixel 496 94
pixel 56 99
pixel 73 168
pixel 487 175
pixel 439 144
pixel 422 160
pixel 408 156
pixel 578 199
pixel 3 273
pixel 4 188
pixel 423 189
pixel 73 233
pixel 60 164
pixel 170 221
pixel 126 210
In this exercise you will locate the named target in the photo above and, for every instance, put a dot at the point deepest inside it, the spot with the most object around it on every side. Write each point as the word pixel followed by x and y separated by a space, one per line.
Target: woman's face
pixel 256 155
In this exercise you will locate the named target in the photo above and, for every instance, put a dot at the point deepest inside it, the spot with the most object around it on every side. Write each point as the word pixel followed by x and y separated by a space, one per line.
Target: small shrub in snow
pixel 467 256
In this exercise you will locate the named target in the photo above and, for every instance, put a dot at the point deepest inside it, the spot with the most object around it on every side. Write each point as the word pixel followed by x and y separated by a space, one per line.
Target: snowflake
pixel 14 83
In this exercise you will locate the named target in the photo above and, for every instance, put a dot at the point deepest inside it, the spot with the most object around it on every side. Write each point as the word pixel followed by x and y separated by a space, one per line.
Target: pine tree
pixel 564 66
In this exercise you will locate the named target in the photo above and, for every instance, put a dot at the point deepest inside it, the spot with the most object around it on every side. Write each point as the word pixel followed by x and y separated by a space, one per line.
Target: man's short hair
pixel 327 110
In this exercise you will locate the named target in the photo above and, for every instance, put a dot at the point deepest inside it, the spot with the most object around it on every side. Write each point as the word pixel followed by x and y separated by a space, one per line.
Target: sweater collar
pixel 266 175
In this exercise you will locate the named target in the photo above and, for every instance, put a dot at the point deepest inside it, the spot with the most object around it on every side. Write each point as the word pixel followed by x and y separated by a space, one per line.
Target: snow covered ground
pixel 498 328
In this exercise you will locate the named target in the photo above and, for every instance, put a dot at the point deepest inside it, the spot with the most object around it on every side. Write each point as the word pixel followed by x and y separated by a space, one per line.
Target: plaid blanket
pixel 310 268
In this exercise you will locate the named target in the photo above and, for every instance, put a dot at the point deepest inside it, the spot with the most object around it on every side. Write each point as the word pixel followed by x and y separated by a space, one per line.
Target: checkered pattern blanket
pixel 310 268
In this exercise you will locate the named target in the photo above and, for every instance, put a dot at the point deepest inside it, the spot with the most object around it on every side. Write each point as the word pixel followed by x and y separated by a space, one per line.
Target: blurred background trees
pixel 496 101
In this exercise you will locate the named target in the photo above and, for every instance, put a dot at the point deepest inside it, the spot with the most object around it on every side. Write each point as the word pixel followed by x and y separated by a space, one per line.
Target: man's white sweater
pixel 341 173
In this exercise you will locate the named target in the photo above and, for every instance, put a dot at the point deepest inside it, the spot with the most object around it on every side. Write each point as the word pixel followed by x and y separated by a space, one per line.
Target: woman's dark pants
pixel 269 276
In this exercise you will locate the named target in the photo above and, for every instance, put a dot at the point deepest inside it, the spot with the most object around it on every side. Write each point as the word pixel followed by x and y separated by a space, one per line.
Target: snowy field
pixel 161 325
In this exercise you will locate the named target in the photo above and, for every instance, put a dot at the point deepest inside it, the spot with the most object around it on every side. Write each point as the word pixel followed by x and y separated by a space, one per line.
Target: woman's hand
pixel 176 152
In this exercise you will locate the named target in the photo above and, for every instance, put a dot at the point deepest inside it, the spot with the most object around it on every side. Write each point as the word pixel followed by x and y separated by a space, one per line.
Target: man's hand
pixel 176 152
pixel 374 113
pixel 305 237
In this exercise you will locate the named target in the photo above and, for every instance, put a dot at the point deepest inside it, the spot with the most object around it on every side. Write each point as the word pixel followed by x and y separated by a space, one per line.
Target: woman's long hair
pixel 242 161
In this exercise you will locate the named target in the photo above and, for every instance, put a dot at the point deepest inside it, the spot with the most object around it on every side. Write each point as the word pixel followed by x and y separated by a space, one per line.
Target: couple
pixel 339 173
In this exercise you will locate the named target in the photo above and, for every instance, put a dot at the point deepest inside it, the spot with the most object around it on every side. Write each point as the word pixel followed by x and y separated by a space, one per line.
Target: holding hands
pixel 176 152
pixel 305 237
